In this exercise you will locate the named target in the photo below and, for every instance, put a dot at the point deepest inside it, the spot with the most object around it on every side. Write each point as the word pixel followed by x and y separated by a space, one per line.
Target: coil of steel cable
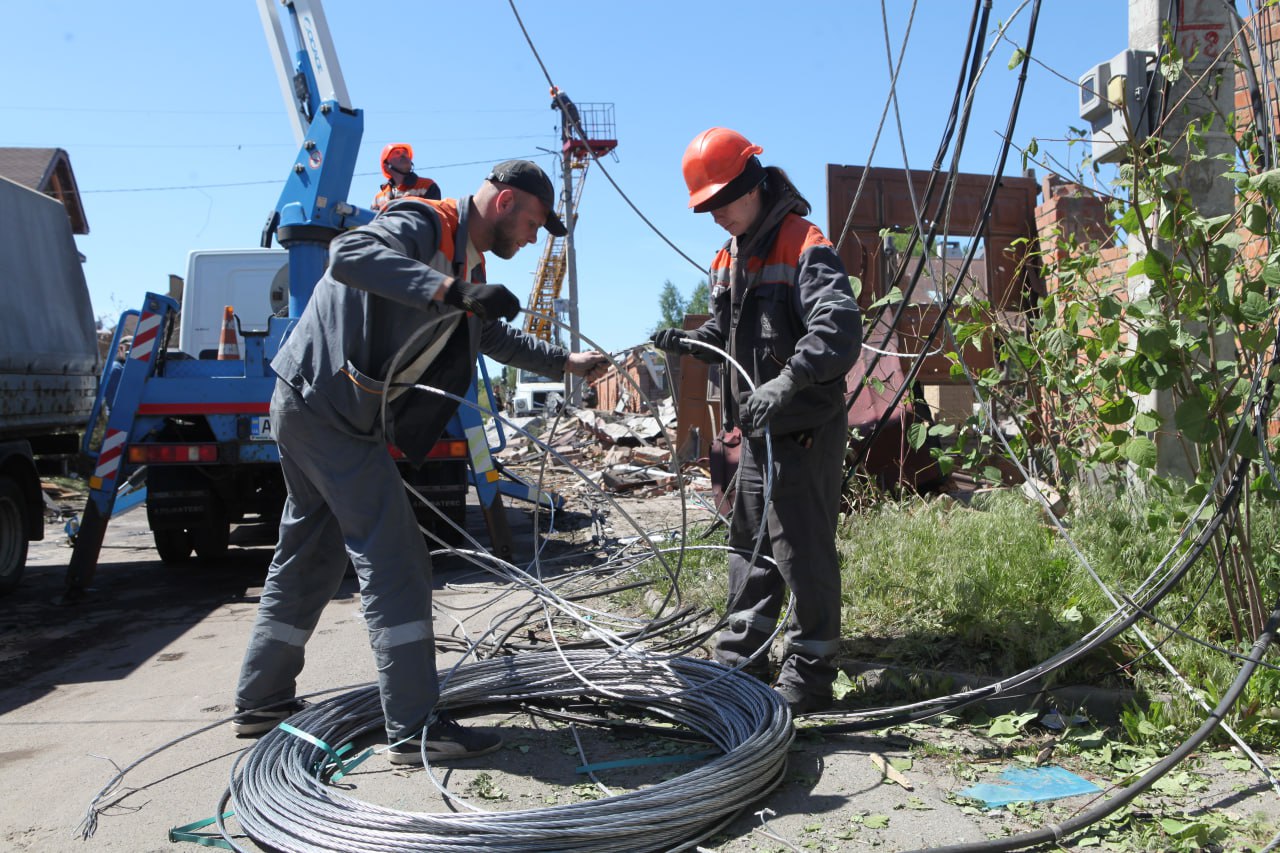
pixel 283 803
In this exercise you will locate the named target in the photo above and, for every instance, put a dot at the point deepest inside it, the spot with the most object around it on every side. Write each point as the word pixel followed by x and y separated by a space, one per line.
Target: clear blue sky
pixel 179 138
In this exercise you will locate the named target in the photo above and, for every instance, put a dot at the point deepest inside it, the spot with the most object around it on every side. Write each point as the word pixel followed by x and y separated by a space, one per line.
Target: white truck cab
pixel 255 282
pixel 533 391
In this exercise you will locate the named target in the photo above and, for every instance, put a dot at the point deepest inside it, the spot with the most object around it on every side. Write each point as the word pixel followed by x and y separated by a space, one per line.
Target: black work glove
pixel 671 340
pixel 486 301
pixel 767 400
pixel 680 341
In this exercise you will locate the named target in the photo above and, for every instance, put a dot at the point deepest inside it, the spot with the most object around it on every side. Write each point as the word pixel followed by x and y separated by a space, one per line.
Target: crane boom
pixel 321 80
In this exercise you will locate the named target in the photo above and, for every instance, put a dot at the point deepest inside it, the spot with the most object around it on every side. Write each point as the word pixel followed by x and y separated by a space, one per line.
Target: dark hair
pixel 777 185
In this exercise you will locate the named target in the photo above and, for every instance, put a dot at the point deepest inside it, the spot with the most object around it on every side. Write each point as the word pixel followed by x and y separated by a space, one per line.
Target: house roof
pixel 46 170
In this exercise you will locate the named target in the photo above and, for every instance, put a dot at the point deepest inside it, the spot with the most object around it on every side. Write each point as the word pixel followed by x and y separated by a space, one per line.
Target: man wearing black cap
pixel 403 302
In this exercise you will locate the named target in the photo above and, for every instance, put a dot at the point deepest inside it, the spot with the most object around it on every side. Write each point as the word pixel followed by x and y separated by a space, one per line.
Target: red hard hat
pixel 714 158
pixel 391 149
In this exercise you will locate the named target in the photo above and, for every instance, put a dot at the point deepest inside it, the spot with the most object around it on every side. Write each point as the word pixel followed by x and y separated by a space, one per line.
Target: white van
pixel 255 282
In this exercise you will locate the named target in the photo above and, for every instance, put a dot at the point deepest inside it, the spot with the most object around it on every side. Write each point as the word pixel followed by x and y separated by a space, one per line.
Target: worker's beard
pixel 505 242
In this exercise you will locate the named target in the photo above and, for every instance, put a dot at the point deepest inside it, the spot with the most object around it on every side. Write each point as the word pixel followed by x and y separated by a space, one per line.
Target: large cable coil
pixel 283 802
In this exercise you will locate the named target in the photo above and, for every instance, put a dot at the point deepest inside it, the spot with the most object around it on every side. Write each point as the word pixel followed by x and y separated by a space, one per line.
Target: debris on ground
pixel 1030 785
pixel 621 452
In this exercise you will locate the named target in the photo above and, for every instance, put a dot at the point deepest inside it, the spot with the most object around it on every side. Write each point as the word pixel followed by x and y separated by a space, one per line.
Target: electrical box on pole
pixel 1115 98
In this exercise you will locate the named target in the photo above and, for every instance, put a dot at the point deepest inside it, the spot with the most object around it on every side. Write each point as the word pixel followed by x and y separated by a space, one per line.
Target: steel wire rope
pixel 768 480
pixel 403 353
pixel 282 801
pixel 895 69
pixel 577 128
pixel 550 626
pixel 1059 831
pixel 518 616
pixel 962 111
pixel 514 571
pixel 89 823
pixel 1194 694
pixel 981 222
pixel 510 570
pixel 653 549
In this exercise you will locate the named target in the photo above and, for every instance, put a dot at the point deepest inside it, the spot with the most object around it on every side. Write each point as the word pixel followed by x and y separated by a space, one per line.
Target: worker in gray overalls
pixel 403 301
pixel 783 308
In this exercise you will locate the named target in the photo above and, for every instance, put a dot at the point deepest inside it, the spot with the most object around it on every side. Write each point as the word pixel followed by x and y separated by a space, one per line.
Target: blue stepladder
pixel 491 482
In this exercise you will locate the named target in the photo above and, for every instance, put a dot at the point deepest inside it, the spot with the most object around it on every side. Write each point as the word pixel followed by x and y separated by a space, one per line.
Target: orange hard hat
pixel 391 149
pixel 713 159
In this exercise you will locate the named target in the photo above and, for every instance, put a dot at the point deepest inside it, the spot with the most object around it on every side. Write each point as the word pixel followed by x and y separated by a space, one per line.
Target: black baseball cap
pixel 527 176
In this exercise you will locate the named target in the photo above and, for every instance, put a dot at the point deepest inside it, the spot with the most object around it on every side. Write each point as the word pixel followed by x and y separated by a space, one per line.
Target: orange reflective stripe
pixel 796 236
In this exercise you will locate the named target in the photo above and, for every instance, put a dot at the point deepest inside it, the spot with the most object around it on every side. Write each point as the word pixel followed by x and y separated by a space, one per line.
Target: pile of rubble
pixel 621 453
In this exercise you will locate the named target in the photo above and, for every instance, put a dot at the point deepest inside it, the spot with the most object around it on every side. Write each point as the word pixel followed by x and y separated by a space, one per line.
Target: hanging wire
pixel 577 128
pixel 698 697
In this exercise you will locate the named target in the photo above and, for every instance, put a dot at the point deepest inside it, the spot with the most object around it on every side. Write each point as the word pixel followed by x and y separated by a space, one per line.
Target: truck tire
pixel 13 535
pixel 173 544
pixel 211 541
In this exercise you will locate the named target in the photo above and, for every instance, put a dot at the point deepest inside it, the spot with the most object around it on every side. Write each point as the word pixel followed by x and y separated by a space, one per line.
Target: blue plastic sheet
pixel 1030 785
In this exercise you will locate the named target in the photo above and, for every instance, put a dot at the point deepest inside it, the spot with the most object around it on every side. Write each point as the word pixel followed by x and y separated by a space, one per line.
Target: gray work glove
pixel 486 301
pixel 680 341
pixel 769 398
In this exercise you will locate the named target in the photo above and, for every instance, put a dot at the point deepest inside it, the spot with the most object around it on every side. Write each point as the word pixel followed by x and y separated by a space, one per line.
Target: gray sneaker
pixel 446 740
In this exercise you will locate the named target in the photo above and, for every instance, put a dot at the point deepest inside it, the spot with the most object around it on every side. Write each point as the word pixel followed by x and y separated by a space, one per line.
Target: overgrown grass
pixel 992 587
pixel 986 588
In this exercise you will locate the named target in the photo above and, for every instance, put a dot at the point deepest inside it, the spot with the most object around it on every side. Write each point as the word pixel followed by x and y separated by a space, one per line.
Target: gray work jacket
pixel 378 305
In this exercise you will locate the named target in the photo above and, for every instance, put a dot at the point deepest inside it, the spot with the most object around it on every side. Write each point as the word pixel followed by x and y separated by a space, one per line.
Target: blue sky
pixel 179 138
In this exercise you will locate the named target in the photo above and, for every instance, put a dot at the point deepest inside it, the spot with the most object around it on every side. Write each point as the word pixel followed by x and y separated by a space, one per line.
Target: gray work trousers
pixel 346 500
pixel 800 535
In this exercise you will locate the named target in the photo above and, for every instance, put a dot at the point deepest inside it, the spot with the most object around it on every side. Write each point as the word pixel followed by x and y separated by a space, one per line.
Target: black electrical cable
pixel 983 219
pixel 965 84
pixel 1099 638
pixel 1176 630
pixel 1259 106
pixel 577 127
pixel 1057 832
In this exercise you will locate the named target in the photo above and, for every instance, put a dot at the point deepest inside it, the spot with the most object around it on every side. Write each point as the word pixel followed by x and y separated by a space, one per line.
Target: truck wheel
pixel 173 545
pixel 458 515
pixel 211 541
pixel 13 535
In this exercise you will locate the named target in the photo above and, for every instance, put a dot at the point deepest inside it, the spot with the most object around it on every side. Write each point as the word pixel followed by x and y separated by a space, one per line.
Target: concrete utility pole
pixel 1201 30
pixel 573 383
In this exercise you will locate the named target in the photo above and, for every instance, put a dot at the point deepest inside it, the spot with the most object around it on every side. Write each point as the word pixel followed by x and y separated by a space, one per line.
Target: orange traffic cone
pixel 228 349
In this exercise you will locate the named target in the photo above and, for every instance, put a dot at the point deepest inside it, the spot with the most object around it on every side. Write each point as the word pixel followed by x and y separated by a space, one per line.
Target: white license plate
pixel 260 428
